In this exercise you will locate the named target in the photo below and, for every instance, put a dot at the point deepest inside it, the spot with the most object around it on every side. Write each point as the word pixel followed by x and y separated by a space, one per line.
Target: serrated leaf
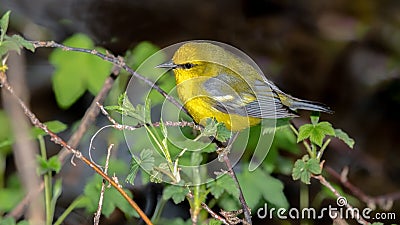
pixel 210 128
pixel 8 45
pixel 23 42
pixel 49 165
pixel 77 72
pixel 156 175
pixel 344 137
pixel 263 186
pixel 125 107
pixel 303 168
pixel 218 130
pixel 223 184
pixel 176 192
pixel 4 25
pixel 223 134
pixel 145 161
pixel 313 166
pixel 315 132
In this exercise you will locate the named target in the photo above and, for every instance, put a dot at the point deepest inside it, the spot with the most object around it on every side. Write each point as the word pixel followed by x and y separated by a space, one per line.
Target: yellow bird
pixel 215 83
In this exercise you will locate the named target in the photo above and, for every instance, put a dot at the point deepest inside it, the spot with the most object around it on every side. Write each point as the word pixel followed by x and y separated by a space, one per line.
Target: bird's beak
pixel 167 65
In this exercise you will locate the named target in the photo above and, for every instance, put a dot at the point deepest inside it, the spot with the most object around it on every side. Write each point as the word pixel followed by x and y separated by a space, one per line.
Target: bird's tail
pixel 309 105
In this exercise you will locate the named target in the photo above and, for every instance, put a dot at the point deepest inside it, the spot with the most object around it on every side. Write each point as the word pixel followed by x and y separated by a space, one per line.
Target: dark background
pixel 345 54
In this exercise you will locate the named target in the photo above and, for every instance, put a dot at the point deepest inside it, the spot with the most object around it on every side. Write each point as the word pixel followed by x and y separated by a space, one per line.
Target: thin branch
pixel 89 117
pixel 324 182
pixel 231 172
pixel 118 61
pixel 384 201
pixel 24 148
pixel 56 139
pixel 96 218
pixel 119 126
pixel 210 211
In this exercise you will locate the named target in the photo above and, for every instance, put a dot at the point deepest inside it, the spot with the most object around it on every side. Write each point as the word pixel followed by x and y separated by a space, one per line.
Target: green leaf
pixel 5 133
pixel 145 161
pixel 7 221
pixel 223 184
pixel 214 222
pixel 223 134
pixel 142 52
pixel 23 222
pixel 315 132
pixel 54 126
pixel 9 198
pixel 23 42
pixel 211 127
pixel 14 43
pixel 57 190
pixel 176 192
pixel 7 46
pixel 125 107
pixel 263 186
pixel 218 130
pixel 52 164
pixel 303 168
pixel 6 138
pixel 344 137
pixel 4 25
pixel 76 72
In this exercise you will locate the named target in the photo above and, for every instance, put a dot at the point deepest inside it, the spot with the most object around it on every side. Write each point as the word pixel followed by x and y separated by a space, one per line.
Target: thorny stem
pixel 56 139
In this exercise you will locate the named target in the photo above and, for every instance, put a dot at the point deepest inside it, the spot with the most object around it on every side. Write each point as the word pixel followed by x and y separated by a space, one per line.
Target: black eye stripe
pixel 187 66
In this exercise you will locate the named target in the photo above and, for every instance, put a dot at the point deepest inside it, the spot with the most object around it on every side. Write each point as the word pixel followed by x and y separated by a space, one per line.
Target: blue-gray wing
pixel 235 95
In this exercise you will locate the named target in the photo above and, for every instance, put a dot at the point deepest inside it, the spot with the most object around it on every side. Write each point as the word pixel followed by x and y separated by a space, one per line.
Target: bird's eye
pixel 187 66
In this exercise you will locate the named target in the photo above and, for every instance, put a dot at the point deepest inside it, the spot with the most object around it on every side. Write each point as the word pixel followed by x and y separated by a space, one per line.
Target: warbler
pixel 213 82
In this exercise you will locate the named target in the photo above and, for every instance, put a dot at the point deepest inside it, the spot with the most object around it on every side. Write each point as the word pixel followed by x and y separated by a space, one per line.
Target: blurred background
pixel 345 54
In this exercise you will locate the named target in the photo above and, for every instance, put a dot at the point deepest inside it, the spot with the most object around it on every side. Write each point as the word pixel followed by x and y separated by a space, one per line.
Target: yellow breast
pixel 200 105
